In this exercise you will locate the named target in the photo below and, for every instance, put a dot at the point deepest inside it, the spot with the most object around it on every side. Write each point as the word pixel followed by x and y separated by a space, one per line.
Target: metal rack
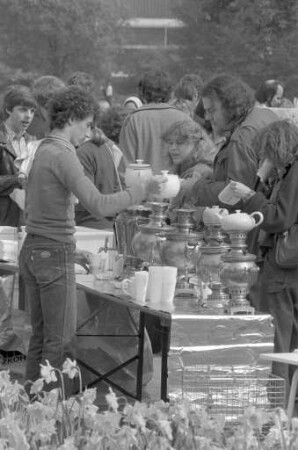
pixel 230 392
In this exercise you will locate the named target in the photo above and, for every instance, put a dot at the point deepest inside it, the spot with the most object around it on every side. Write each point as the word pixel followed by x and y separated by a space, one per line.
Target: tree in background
pixel 59 37
pixel 254 39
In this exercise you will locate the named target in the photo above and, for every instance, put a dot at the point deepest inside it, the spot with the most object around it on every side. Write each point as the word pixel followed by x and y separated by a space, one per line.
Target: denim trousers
pixel 279 294
pixel 47 267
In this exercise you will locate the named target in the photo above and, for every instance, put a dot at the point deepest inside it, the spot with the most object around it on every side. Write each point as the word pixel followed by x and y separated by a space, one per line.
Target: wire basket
pixel 230 393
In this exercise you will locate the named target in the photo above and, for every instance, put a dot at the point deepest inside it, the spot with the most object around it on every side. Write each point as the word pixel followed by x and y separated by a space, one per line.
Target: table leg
pixel 292 395
pixel 165 341
pixel 140 356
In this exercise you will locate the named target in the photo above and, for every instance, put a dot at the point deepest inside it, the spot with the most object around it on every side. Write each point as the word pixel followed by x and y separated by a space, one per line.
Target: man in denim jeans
pixel 48 254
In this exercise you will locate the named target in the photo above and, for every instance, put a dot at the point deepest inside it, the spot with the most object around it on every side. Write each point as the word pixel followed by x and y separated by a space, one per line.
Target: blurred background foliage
pixel 255 39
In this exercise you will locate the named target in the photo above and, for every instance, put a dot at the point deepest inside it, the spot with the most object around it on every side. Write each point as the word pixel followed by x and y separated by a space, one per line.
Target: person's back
pixel 141 133
pixel 99 166
pixel 103 163
pixel 187 93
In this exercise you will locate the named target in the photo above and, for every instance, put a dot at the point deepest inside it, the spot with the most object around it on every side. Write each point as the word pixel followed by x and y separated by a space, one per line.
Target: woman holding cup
pixel 278 143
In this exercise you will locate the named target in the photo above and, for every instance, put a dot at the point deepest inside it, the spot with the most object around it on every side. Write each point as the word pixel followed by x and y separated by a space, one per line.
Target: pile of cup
pixel 106 265
pixel 156 287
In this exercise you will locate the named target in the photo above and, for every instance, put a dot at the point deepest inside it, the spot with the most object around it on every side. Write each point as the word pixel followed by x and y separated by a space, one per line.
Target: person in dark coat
pixel 229 105
pixel 19 106
pixel 278 144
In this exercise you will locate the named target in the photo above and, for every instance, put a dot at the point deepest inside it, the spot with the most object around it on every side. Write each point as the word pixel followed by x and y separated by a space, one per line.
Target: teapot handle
pixel 260 215
pixel 127 286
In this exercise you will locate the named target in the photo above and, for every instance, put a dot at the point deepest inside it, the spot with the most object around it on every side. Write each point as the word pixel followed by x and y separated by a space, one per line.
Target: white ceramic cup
pixel 168 287
pixel 136 286
pixel 228 196
pixel 155 285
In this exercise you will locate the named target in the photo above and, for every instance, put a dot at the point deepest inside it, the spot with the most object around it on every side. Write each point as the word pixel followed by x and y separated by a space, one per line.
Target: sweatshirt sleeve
pixel 237 162
pixel 70 172
pixel 128 140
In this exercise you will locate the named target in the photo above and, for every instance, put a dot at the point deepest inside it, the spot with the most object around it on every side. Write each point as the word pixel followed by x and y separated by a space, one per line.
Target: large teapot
pixel 136 173
pixel 214 215
pixel 179 247
pixel 240 221
pixel 145 242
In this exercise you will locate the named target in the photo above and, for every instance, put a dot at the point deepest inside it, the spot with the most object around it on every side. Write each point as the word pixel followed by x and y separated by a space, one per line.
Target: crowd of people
pixel 63 157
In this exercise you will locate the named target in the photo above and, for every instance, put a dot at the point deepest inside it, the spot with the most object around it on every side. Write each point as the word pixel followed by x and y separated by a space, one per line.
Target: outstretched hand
pixel 82 258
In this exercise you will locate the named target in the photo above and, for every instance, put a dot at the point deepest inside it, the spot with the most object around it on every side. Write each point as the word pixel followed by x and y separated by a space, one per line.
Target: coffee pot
pixel 137 172
pixel 180 246
pixel 145 241
pixel 238 269
pixel 214 215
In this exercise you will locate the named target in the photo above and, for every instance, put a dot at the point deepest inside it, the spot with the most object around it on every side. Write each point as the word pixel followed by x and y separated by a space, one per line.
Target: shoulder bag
pixel 286 248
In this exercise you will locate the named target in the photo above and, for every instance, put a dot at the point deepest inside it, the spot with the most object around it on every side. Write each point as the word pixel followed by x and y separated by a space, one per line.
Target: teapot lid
pixel 139 165
pixel 235 256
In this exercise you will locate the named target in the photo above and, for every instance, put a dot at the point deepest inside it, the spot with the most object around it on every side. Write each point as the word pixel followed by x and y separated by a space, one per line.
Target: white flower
pixel 69 444
pixel 47 372
pixel 165 427
pixel 70 368
pixel 112 400
pixel 37 386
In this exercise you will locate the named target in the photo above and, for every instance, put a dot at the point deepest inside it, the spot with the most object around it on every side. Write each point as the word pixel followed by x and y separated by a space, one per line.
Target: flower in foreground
pixel 37 386
pixel 47 372
pixel 70 368
pixel 112 400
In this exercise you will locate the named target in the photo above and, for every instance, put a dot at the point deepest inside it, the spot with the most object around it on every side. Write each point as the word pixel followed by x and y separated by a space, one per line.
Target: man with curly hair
pixel 141 133
pixel 229 105
pixel 48 254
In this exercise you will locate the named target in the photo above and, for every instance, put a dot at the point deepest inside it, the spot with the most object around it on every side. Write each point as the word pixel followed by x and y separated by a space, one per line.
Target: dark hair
pixel 45 87
pixel 17 95
pixel 235 96
pixel 155 86
pixel 71 103
pixel 111 120
pixel 189 87
pixel 278 142
pixel 266 91
pixel 82 79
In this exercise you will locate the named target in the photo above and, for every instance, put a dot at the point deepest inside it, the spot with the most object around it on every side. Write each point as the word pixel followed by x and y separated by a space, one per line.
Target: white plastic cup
pixel 228 196
pixel 168 287
pixel 141 285
pixel 154 290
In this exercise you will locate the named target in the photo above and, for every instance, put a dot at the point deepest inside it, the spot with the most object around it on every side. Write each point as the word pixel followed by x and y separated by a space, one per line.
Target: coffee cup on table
pixel 168 288
pixel 136 286
pixel 155 286
pixel 161 287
